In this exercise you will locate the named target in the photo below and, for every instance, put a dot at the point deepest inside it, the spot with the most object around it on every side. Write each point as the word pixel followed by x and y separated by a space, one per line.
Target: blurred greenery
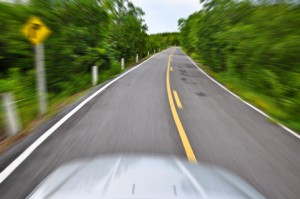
pixel 84 33
pixel 163 40
pixel 253 47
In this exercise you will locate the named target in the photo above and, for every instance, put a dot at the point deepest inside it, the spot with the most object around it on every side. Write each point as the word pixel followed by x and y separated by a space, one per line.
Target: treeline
pixel 163 40
pixel 84 33
pixel 253 46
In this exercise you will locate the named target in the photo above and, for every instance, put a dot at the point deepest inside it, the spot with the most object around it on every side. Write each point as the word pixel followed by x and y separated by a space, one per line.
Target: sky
pixel 162 15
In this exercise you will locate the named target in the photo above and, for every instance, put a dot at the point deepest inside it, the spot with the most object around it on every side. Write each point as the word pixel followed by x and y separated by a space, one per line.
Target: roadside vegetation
pixel 253 47
pixel 163 40
pixel 84 33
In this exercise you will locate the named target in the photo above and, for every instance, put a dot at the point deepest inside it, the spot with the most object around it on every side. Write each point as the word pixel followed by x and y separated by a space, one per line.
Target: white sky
pixel 162 15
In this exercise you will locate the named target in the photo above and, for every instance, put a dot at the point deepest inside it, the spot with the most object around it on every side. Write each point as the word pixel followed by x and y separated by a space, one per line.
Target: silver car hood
pixel 141 177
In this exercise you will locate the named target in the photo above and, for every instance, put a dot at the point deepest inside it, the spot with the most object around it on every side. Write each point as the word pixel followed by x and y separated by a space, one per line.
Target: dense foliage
pixel 254 45
pixel 84 33
pixel 163 40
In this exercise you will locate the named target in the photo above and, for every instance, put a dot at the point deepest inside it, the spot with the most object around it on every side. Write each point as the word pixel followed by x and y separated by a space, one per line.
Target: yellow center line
pixel 177 100
pixel 185 141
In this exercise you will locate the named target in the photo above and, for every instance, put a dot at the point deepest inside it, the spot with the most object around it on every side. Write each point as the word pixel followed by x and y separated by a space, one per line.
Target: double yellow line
pixel 185 141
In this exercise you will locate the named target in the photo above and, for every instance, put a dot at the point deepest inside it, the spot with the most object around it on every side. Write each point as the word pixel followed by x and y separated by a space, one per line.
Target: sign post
pixel 36 32
pixel 41 78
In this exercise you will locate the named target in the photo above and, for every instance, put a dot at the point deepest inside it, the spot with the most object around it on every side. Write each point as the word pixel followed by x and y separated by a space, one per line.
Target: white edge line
pixel 236 96
pixel 14 164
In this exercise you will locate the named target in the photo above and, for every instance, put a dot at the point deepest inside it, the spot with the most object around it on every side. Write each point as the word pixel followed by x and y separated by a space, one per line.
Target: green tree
pixel 254 43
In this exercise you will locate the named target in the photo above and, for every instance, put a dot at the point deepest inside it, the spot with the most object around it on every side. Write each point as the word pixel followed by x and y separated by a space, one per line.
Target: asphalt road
pixel 133 116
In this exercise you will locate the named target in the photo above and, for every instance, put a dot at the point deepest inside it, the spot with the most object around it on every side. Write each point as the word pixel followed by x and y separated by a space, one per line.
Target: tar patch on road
pixel 201 94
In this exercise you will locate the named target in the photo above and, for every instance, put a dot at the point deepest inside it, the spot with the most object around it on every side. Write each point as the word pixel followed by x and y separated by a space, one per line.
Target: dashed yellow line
pixel 185 141
pixel 177 100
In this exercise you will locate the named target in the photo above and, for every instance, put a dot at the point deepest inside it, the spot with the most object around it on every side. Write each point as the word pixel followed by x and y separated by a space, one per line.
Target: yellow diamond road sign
pixel 35 31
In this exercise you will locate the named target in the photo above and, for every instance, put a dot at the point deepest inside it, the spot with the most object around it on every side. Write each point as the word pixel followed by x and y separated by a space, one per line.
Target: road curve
pixel 133 116
pixel 226 132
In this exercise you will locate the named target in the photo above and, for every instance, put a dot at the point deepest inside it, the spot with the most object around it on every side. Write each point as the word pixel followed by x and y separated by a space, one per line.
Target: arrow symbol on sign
pixel 32 32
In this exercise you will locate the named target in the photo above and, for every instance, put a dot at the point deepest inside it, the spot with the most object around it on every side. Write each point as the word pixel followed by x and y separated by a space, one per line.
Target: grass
pixel 33 122
pixel 29 109
pixel 263 102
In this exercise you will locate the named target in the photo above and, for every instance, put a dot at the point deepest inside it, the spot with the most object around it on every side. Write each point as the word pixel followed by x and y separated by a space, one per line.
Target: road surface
pixel 134 116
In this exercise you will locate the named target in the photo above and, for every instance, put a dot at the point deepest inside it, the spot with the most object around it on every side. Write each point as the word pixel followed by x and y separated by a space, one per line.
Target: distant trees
pixel 128 34
pixel 163 40
pixel 256 43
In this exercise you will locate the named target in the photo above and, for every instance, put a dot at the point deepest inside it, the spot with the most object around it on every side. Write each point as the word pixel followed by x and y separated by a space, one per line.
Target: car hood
pixel 141 177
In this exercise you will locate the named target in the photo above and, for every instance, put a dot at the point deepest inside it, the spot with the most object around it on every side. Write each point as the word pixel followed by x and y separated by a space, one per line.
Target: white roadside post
pixel 41 78
pixel 154 51
pixel 137 58
pixel 95 75
pixel 122 63
pixel 148 53
pixel 159 50
pixel 13 124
